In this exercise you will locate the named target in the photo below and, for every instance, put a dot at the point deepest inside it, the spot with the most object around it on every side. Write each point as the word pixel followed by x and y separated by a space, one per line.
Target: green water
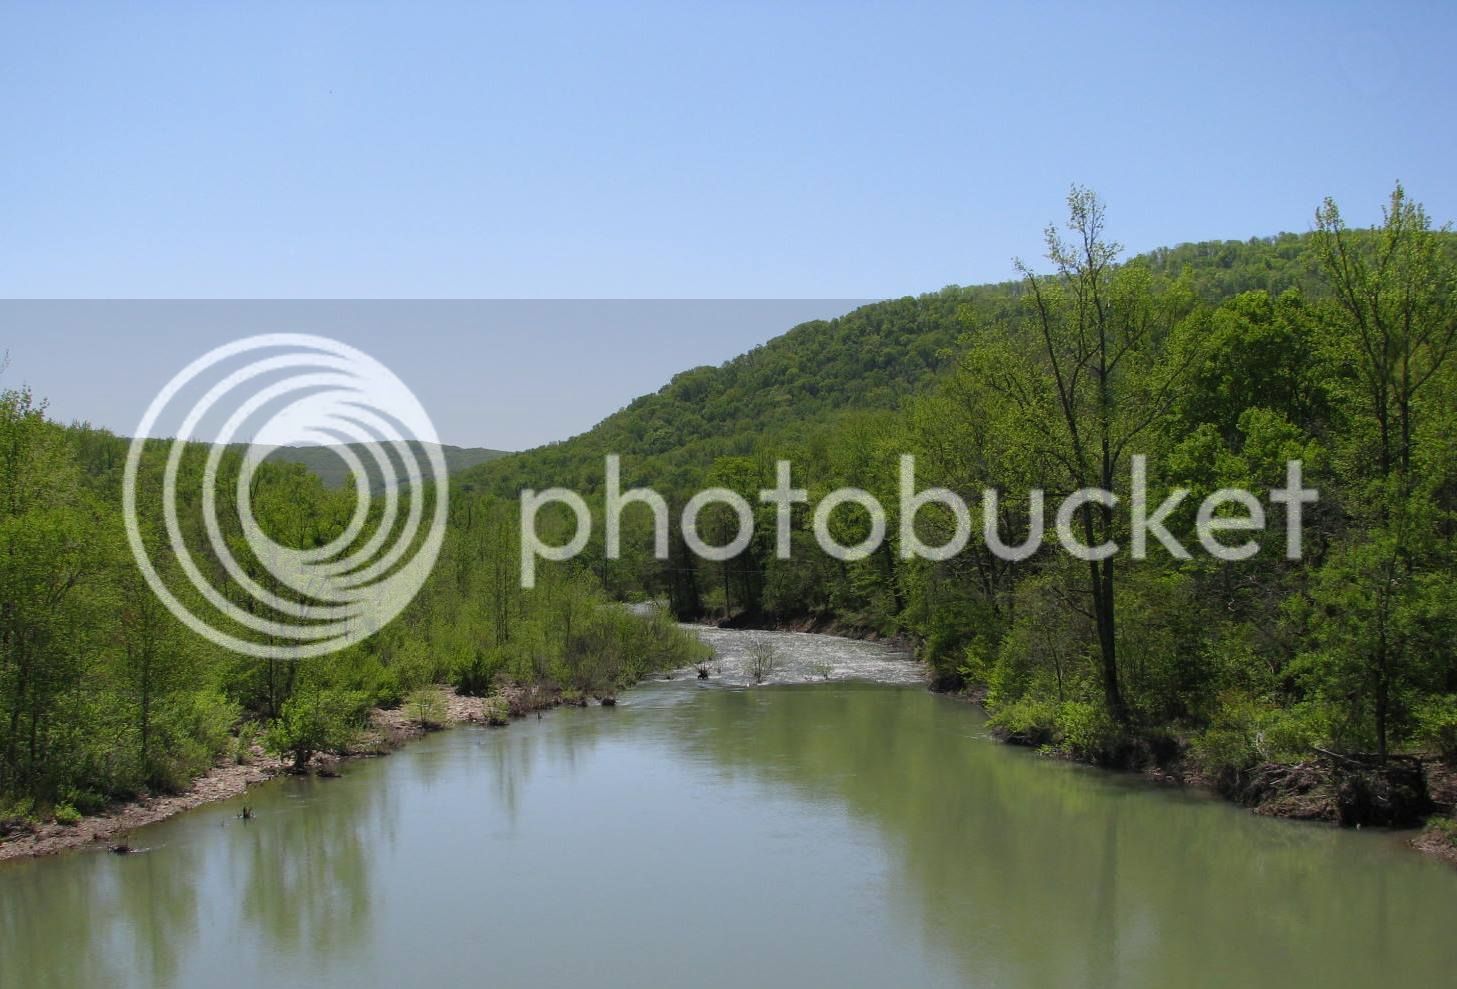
pixel 835 834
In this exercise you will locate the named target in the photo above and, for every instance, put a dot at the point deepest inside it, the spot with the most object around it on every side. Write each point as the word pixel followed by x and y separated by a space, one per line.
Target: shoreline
pixel 1311 796
pixel 1435 836
pixel 389 729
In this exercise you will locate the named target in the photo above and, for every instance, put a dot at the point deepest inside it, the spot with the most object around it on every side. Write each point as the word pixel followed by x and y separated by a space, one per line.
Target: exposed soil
pixel 220 783
pixel 1439 839
pixel 388 730
pixel 1439 842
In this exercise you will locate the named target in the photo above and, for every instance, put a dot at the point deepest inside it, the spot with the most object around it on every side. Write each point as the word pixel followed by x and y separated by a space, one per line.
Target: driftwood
pixel 1390 792
pixel 1367 759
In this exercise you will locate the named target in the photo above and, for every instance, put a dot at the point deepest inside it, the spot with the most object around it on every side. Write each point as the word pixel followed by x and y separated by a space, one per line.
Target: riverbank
pixel 388 729
pixel 1439 840
pixel 1406 794
pixel 1316 790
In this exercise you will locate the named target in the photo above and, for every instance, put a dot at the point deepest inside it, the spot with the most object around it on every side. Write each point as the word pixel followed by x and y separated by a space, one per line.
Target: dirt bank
pixel 388 729
pixel 1327 788
pixel 1439 840
pixel 220 783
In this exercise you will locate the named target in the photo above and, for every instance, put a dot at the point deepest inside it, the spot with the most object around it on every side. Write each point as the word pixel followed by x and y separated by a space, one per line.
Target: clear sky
pixel 682 150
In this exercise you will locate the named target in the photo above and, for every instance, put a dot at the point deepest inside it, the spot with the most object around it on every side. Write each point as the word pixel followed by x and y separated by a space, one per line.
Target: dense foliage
pixel 103 694
pixel 1218 363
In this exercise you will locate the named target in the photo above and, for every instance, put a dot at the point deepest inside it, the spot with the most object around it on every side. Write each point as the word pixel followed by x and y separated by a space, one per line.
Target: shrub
pixel 1289 734
pixel 248 736
pixel 763 660
pixel 1225 746
pixel 380 685
pixel 1026 721
pixel 1437 725
pixel 427 708
pixel 496 711
pixel 315 720
pixel 86 801
pixel 1246 732
pixel 1445 828
pixel 67 814
pixel 1086 730
pixel 474 677
pixel 192 730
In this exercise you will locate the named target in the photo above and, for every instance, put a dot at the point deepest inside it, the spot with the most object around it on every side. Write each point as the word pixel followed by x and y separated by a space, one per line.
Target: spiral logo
pixel 267 598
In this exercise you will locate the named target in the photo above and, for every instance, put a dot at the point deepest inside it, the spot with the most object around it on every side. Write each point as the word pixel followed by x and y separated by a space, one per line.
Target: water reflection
pixel 302 865
pixel 1038 873
pixel 840 833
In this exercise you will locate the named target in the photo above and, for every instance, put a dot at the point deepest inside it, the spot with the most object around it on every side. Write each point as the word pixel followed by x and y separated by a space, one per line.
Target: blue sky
pixel 731 150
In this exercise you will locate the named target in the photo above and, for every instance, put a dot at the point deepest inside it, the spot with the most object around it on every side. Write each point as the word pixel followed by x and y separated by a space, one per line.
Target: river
pixel 837 826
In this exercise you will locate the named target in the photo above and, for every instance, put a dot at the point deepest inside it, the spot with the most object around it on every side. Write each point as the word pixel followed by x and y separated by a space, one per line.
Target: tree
pixel 1395 304
pixel 1089 382
pixel 1396 291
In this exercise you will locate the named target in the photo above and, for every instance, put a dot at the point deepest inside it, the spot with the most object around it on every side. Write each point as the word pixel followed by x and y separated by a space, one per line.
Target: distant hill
pixel 869 360
pixel 325 463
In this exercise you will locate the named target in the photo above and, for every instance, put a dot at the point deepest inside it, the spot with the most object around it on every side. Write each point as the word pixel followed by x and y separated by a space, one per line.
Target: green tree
pixel 1088 382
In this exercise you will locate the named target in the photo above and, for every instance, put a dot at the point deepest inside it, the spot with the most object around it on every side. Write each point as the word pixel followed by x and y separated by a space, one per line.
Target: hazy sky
pixel 501 374
pixel 729 150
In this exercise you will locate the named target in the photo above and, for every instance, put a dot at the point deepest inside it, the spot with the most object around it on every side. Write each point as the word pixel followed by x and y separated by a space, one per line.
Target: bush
pixel 1027 721
pixel 1245 733
pixel 1437 726
pixel 1445 828
pixel 474 677
pixel 1225 746
pixel 192 730
pixel 248 736
pixel 379 684
pixel 315 720
pixel 427 708
pixel 85 800
pixel 1086 730
pixel 763 660
pixel 67 814
pixel 496 711
pixel 1290 734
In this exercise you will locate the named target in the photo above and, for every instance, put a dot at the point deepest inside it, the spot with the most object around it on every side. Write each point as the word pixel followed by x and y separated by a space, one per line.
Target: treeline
pixel 1218 363
pixel 104 694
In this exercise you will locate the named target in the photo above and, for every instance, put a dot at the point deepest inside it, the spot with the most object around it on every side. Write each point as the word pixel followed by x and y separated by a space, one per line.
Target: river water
pixel 837 826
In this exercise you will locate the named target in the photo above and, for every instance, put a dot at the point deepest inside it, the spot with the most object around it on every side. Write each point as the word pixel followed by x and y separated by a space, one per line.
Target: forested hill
pixel 325 464
pixel 868 360
pixel 1219 366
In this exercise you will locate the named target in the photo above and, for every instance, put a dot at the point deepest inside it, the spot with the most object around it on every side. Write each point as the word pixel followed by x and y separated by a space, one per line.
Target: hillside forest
pixel 1218 362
